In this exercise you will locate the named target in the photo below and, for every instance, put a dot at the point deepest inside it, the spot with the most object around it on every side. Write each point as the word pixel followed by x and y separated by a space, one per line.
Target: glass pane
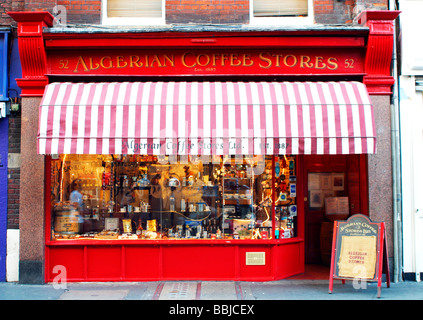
pixel 286 197
pixel 280 8
pixel 176 197
pixel 134 8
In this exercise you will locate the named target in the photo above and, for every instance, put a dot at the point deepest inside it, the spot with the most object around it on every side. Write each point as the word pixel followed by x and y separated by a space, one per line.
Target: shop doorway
pixel 335 187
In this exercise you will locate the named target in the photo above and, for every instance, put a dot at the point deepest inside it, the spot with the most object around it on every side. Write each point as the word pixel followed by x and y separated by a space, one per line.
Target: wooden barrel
pixel 66 219
pixel 326 233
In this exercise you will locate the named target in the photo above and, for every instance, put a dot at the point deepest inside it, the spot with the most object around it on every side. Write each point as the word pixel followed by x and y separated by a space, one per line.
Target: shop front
pixel 213 155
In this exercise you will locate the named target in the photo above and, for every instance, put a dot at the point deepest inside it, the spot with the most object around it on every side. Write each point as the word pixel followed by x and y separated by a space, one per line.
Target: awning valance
pixel 206 118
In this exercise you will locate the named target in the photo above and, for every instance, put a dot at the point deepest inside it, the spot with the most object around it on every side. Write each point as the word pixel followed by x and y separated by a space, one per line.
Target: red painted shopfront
pixel 219 103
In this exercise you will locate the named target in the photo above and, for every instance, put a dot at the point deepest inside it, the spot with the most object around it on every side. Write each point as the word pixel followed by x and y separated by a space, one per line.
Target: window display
pixel 172 197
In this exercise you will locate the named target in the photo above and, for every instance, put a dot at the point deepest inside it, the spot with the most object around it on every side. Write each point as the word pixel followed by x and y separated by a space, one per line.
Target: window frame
pixel 126 21
pixel 309 19
pixel 51 239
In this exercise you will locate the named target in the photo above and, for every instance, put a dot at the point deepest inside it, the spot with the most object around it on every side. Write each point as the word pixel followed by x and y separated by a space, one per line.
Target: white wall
pixel 411 37
pixel 411 126
pixel 411 122
pixel 12 255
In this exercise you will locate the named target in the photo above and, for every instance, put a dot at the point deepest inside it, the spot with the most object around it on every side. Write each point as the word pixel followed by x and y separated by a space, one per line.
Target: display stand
pixel 359 252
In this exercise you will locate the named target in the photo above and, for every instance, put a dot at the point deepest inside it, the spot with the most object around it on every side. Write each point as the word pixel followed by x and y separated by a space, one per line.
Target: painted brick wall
pixel 13 199
pixel 3 196
pixel 13 172
pixel 191 11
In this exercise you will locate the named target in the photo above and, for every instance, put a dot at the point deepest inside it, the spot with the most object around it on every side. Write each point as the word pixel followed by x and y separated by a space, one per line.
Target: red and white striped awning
pixel 199 118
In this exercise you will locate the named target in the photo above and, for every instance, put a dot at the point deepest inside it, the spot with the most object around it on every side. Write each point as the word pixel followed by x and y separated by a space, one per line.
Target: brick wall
pixel 10 5
pixel 207 11
pixel 14 172
pixel 191 11
pixel 328 11
pixel 341 12
pixel 82 11
pixel 13 198
pixel 77 11
pixel 39 5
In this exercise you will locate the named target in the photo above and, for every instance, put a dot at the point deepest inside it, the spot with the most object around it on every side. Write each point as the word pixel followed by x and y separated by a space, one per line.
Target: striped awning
pixel 219 118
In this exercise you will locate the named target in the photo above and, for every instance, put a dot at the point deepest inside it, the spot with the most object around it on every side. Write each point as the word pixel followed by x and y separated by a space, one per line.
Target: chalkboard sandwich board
pixel 359 251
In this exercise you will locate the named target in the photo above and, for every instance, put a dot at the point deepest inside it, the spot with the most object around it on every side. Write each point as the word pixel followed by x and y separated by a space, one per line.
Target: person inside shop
pixel 75 194
pixel 128 199
pixel 77 199
pixel 156 193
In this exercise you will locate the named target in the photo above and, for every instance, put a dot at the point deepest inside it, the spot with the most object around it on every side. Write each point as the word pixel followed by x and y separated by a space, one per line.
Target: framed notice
pixel 316 199
pixel 337 205
pixel 338 181
pixel 359 251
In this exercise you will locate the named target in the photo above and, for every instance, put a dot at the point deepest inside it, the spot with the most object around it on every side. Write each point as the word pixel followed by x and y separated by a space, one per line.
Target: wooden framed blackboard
pixel 359 251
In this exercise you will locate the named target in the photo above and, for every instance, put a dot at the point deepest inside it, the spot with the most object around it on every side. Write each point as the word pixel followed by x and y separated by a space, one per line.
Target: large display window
pixel 172 197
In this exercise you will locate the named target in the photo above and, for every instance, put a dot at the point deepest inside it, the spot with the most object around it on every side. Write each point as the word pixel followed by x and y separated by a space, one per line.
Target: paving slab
pixel 94 295
pixel 215 290
pixel 179 291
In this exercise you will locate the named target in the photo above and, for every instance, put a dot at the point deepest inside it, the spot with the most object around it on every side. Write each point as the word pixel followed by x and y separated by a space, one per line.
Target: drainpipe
pixel 396 170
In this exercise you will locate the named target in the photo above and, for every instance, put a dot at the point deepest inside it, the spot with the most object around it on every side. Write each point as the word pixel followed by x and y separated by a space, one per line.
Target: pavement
pixel 229 291
pixel 211 299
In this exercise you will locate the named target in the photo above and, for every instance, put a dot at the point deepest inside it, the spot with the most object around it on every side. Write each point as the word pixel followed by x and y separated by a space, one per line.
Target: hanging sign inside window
pixel 359 251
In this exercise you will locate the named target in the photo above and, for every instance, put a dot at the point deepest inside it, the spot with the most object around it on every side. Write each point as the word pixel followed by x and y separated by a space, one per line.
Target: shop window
pixel 133 12
pixel 280 12
pixel 138 197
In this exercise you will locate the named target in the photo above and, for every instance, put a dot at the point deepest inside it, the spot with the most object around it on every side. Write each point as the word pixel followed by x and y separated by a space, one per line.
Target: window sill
pixel 170 242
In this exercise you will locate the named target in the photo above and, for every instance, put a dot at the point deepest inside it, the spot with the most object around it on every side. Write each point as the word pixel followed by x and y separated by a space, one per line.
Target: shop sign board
pixel 212 61
pixel 359 251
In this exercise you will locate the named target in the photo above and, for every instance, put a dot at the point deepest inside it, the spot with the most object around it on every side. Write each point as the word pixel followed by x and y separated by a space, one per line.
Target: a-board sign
pixel 359 251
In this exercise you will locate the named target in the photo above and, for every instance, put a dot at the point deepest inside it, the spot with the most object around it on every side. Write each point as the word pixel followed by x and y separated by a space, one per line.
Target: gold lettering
pixel 234 57
pixel 119 60
pixel 333 62
pixel 224 57
pixel 215 57
pixel 266 60
pixel 82 62
pixel 305 61
pixel 277 56
pixel 92 67
pixel 207 59
pixel 319 63
pixel 64 64
pixel 171 60
pixel 263 58
pixel 110 65
pixel 349 63
pixel 156 60
pixel 246 60
pixel 285 60
pixel 184 61
pixel 134 61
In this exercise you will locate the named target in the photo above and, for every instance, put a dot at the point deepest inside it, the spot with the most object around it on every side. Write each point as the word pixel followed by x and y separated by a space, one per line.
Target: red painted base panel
pixel 132 262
